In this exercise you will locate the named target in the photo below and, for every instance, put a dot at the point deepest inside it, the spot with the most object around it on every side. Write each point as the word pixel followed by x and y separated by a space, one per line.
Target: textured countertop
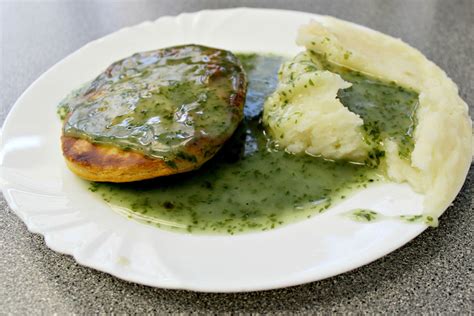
pixel 433 273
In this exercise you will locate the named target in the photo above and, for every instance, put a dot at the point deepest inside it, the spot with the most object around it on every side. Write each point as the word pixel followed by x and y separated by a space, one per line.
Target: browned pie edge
pixel 111 164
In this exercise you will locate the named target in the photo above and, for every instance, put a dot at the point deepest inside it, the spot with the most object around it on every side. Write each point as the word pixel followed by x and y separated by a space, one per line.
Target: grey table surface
pixel 433 273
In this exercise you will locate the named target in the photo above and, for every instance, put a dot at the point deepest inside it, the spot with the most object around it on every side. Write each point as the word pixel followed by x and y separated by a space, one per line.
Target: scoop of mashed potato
pixel 304 115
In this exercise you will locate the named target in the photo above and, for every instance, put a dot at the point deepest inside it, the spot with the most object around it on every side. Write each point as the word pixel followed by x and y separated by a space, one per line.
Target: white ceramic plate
pixel 55 203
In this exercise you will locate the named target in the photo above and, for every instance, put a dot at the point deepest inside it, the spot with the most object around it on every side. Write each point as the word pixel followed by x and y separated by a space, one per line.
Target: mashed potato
pixel 328 129
pixel 304 115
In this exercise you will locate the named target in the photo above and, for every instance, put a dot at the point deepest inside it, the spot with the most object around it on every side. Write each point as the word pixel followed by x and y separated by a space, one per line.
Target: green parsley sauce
pixel 248 185
pixel 366 216
pixel 362 215
pixel 388 110
pixel 159 102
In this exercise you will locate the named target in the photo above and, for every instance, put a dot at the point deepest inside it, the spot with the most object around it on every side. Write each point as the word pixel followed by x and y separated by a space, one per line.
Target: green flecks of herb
pixel 171 164
pixel 429 220
pixel 412 218
pixel 63 111
pixel 374 157
pixel 185 156
pixel 94 186
pixel 311 82
pixel 362 215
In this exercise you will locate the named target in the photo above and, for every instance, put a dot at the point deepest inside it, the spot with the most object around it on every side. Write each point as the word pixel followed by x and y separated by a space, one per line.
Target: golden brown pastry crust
pixel 111 164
